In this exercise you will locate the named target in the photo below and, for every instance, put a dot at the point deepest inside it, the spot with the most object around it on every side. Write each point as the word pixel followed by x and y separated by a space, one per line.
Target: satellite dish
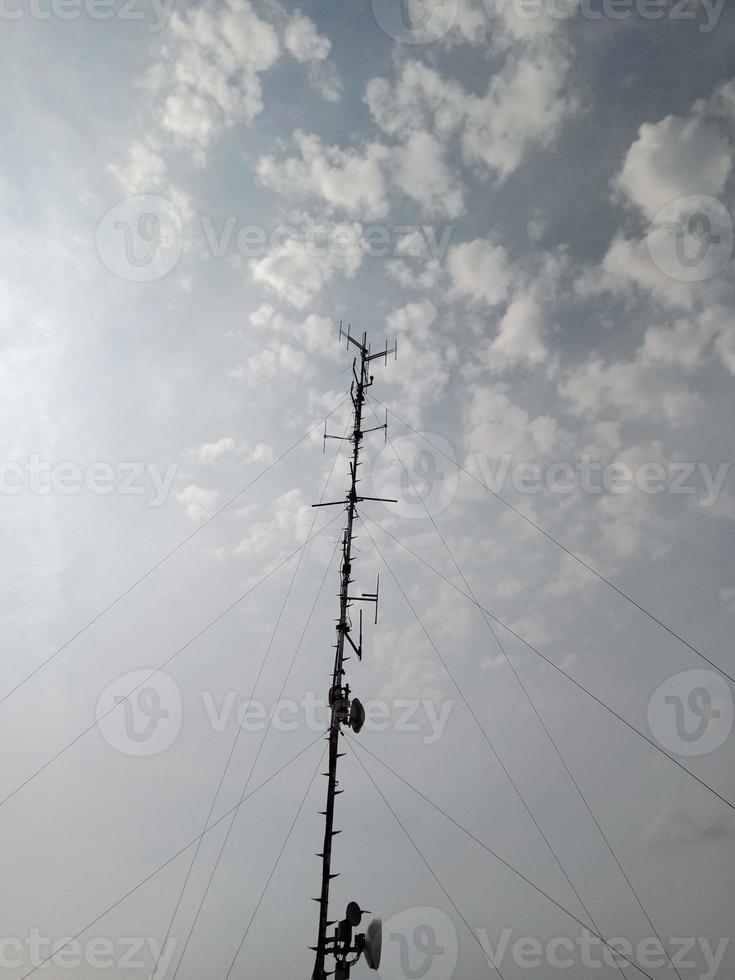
pixel 374 944
pixel 353 914
pixel 357 716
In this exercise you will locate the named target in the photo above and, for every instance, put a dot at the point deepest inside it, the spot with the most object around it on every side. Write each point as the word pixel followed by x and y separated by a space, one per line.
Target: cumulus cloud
pixel 297 272
pixel 633 389
pixel 421 172
pixel 359 180
pixel 304 43
pixel 212 451
pixel 288 520
pixel 207 76
pixel 674 158
pixel 207 79
pixel 520 338
pixel 280 359
pixel 525 105
pixel 481 271
pixel 414 319
pixel 198 503
pixel 143 172
pixel 352 180
pixel 496 427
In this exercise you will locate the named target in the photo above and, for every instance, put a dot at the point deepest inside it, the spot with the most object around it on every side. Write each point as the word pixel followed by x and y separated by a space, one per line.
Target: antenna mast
pixel 344 709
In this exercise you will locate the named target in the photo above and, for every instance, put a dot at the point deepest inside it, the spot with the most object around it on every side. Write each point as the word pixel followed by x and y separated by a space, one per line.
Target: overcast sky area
pixel 535 199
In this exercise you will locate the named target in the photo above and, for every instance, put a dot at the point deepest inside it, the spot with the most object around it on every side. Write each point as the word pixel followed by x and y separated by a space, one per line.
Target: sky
pixel 534 199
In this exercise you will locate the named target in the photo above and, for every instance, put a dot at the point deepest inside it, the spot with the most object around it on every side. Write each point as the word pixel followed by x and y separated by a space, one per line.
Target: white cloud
pixel 421 172
pixel 303 40
pixel 260 453
pixel 496 427
pixel 414 320
pixel 297 272
pixel 632 388
pixel 421 373
pixel 289 520
pixel 353 181
pixel 525 105
pixel 628 267
pixel 207 78
pixel 521 335
pixel 279 359
pixel 198 503
pixel 674 158
pixel 304 43
pixel 481 270
pixel 212 451
pixel 420 100
pixel 144 171
pixel 683 343
pixel 358 180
